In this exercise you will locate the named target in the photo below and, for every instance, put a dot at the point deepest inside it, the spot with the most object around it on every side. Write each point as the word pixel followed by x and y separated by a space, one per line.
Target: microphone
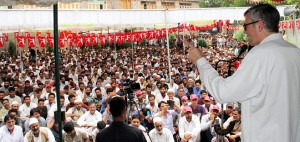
pixel 243 49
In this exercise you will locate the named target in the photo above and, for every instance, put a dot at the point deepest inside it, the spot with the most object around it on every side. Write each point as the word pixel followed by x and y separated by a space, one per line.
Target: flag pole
pixel 132 44
pixel 58 115
pixel 168 46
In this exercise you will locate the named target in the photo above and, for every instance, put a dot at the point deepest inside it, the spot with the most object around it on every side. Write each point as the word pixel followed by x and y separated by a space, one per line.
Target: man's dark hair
pixel 203 91
pixel 70 97
pixel 135 116
pixel 68 127
pixel 11 89
pixel 41 100
pixel 151 95
pixel 97 89
pixel 109 90
pixel 32 111
pixel 198 81
pixel 51 94
pixel 117 105
pixel 149 86
pixel 4 100
pixel 101 125
pixel 26 97
pixel 267 13
pixel 162 102
pixel 7 117
pixel 2 92
pixel 13 110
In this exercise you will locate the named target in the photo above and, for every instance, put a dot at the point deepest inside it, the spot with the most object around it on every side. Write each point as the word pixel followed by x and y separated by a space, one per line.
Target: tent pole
pixel 57 114
pixel 168 46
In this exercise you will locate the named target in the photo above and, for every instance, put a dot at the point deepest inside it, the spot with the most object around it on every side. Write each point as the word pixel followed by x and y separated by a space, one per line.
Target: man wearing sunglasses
pixel 271 69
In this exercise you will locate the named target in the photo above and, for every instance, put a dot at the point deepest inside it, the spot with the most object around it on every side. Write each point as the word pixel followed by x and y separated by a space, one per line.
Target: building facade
pixel 118 4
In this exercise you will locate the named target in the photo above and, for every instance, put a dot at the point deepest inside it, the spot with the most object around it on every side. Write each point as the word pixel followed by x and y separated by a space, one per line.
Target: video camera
pixel 130 87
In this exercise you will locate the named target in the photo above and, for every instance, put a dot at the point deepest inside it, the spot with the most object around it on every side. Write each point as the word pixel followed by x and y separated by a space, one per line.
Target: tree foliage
pixel 12 48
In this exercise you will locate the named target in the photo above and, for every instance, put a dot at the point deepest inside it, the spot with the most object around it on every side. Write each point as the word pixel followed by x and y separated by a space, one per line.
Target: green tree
pixel 210 3
pixel 202 43
pixel 240 35
pixel 12 48
pixel 172 38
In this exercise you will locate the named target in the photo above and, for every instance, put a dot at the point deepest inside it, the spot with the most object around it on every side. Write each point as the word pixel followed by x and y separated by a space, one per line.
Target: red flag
pixel 122 38
pixel 38 34
pixel 48 34
pixel 31 41
pixel 139 36
pixel 87 40
pixel 111 38
pixel 163 33
pixel 79 41
pixel 21 41
pixel 42 42
pixel 61 42
pixel 102 39
pixel 157 34
pixel 16 34
pixel 27 34
pixel 5 37
pixel 127 37
pixel 1 41
pixel 118 38
pixel 150 35
pixel 50 41
pixel 94 40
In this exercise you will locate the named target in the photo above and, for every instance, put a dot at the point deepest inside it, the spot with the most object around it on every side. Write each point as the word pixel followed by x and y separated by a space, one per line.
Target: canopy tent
pixel 42 19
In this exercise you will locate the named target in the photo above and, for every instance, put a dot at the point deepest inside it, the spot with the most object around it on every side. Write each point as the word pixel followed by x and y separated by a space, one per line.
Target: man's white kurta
pixel 267 84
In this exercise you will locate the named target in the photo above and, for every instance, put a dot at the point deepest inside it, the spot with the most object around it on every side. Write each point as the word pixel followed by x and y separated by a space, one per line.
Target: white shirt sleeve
pixel 205 123
pixel 81 120
pixel 50 136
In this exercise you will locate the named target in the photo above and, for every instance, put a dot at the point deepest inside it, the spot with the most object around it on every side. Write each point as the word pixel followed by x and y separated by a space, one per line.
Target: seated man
pixel 189 126
pixel 135 122
pixel 37 133
pixel 207 123
pixel 26 107
pixel 72 134
pixel 160 134
pixel 75 112
pixel 11 132
pixel 100 126
pixel 90 118
pixel 232 127
pixel 34 113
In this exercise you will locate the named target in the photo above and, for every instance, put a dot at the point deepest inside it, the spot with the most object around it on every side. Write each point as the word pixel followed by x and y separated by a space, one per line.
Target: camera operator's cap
pixel 193 96
pixel 184 98
pixel 207 98
pixel 138 92
pixel 216 107
pixel 187 109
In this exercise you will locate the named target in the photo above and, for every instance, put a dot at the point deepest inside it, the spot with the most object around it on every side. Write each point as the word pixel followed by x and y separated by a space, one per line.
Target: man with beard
pixel 37 133
pixel 5 87
pixel 11 132
pixel 90 119
pixel 2 94
pixel 189 126
pixel 160 134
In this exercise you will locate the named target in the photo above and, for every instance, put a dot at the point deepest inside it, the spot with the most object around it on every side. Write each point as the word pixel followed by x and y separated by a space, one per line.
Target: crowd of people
pixel 165 109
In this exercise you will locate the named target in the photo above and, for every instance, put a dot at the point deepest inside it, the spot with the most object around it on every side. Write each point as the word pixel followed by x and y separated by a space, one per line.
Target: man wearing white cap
pixel 75 112
pixel 11 132
pixel 37 133
pixel 160 134
pixel 189 126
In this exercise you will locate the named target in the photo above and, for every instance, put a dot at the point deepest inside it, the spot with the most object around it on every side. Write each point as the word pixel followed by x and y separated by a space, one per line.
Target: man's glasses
pixel 245 25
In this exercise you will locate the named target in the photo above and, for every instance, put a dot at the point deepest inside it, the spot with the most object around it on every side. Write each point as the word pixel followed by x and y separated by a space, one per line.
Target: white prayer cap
pixel 157 119
pixel 14 103
pixel 107 85
pixel 162 79
pixel 32 121
pixel 171 90
pixel 77 101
